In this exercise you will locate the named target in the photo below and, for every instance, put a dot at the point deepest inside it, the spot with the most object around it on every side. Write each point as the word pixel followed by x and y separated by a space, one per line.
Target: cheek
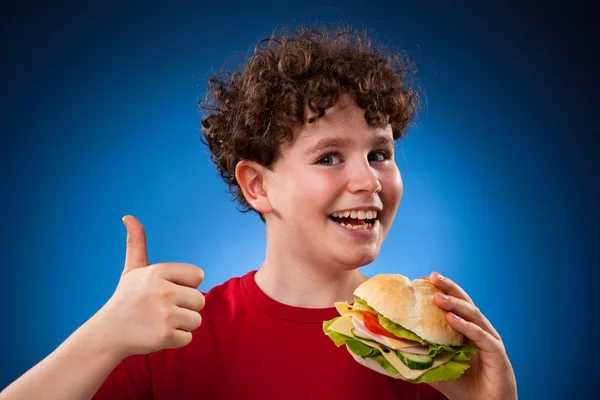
pixel 393 187
pixel 305 194
pixel 319 188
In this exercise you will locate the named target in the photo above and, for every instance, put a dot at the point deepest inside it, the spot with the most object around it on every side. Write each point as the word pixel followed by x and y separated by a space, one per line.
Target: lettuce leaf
pixel 358 348
pixel 449 371
pixel 355 346
pixel 398 330
pixel 362 303
pixel 434 349
pixel 381 360
pixel 464 353
pixel 453 369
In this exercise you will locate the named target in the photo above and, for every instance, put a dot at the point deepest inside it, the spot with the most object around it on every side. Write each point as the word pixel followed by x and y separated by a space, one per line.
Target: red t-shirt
pixel 249 346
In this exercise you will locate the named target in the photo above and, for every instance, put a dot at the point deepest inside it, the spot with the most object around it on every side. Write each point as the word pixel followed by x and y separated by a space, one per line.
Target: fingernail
pixel 441 277
pixel 455 317
pixel 443 297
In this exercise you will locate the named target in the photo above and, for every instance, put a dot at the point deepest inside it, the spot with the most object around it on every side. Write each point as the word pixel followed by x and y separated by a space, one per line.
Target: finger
pixel 475 333
pixel 178 338
pixel 180 273
pixel 136 255
pixel 467 311
pixel 187 297
pixel 184 319
pixel 448 286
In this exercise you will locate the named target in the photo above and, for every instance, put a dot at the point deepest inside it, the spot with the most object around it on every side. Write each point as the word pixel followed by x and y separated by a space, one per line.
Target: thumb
pixel 136 255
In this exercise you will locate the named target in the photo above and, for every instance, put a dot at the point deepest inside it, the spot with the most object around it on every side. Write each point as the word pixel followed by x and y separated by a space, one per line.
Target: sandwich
pixel 395 328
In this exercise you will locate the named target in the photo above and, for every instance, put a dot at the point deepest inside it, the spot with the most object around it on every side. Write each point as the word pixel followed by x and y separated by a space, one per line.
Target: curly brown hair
pixel 250 113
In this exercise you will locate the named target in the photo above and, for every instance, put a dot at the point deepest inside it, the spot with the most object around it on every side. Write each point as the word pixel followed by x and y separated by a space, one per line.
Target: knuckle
pixel 155 271
pixel 166 334
pixel 453 304
pixel 163 293
pixel 473 309
pixel 167 316
pixel 478 332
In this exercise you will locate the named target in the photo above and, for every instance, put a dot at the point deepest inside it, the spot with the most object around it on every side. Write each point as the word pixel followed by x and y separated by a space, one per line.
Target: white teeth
pixel 357 227
pixel 356 214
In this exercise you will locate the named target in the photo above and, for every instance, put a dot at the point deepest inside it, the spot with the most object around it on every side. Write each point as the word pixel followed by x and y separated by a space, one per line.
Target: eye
pixel 378 156
pixel 329 159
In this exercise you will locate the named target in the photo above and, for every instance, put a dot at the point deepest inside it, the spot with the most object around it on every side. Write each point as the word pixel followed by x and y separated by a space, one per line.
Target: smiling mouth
pixel 355 220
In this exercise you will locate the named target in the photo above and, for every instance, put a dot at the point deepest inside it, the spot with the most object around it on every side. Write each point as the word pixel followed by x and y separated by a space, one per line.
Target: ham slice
pixel 362 329
pixel 408 347
pixel 422 350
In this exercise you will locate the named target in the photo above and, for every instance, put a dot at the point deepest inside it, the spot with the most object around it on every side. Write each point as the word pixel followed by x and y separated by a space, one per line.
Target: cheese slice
pixel 347 309
pixel 343 325
pixel 357 311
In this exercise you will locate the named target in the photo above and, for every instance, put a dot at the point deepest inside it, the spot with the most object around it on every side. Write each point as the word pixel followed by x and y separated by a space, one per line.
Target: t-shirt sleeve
pixel 429 393
pixel 131 379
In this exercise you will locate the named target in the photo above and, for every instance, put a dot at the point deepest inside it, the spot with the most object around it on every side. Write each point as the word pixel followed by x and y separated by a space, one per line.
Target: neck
pixel 302 283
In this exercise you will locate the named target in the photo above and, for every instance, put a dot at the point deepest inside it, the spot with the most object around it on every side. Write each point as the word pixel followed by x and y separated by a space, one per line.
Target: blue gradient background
pixel 98 120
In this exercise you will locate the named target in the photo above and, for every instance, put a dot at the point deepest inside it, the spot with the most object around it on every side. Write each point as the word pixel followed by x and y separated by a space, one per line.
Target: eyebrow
pixel 328 143
pixel 384 141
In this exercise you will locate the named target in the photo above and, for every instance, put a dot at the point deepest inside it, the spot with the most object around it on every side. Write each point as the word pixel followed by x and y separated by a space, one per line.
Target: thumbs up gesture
pixel 156 306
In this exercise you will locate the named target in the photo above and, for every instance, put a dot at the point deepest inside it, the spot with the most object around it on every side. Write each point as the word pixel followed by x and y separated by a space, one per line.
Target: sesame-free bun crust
pixel 411 305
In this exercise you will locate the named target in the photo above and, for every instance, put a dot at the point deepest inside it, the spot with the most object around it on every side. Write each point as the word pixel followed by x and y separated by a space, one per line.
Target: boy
pixel 304 132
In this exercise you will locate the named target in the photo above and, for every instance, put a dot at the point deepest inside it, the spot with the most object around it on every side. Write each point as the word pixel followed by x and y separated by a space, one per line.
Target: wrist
pixel 101 339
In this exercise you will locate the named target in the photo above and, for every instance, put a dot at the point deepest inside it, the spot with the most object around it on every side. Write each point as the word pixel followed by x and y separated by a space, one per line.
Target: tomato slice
pixel 372 323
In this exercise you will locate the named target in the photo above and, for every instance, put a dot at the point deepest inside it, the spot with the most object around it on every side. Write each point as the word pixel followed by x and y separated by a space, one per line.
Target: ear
pixel 251 178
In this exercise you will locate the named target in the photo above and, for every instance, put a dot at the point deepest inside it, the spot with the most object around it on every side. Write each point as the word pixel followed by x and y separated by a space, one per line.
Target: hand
pixel 154 307
pixel 491 375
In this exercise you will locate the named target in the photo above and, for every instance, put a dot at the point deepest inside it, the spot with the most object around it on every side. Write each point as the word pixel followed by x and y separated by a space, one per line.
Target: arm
pixel 154 307
pixel 74 371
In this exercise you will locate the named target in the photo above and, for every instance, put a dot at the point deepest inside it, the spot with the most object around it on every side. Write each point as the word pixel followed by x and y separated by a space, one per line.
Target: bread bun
pixel 411 305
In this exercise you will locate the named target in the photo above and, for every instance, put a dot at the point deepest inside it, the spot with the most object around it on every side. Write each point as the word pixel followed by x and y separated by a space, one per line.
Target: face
pixel 335 189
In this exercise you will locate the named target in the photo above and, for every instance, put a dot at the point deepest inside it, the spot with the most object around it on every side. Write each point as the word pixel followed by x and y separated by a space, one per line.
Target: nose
pixel 362 177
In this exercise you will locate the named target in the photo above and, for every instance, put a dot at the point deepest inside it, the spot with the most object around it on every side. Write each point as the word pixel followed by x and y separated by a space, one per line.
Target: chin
pixel 353 260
